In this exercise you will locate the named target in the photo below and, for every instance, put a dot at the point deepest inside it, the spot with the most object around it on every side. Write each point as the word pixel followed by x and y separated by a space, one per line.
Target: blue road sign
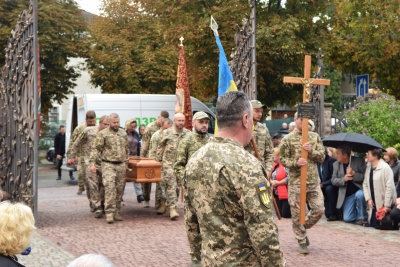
pixel 362 84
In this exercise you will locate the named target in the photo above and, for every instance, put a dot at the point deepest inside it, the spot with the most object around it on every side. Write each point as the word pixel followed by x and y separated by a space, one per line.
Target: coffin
pixel 143 170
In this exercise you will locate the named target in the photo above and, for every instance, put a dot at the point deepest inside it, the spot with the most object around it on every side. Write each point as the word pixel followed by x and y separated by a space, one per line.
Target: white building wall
pixel 83 86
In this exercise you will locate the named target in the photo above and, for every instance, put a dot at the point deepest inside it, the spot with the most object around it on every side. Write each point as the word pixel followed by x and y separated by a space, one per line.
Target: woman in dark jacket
pixel 391 157
pixel 16 227
pixel 134 145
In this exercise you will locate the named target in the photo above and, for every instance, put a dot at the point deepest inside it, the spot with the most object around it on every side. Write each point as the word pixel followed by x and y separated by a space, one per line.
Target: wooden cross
pixel 307 81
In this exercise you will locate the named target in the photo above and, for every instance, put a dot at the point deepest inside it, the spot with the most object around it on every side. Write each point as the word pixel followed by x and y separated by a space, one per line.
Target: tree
pixel 333 93
pixel 62 35
pixel 365 39
pixel 135 44
pixel 377 118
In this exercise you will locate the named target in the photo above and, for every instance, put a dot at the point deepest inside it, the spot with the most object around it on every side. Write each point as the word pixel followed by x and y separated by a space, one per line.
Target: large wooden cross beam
pixel 307 81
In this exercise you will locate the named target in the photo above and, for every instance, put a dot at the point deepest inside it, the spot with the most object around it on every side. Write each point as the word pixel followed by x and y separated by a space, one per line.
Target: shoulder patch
pixel 263 193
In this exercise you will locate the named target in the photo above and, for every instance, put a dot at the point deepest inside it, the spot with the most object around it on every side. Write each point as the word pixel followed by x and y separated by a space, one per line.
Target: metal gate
pixel 19 111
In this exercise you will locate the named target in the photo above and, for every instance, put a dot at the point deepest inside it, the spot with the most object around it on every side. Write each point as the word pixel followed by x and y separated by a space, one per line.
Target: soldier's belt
pixel 113 162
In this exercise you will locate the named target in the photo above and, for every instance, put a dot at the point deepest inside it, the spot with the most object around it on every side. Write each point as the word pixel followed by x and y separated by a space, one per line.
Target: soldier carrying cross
pixel 300 151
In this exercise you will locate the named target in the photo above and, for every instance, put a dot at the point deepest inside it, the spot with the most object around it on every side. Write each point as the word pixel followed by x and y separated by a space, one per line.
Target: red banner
pixel 182 103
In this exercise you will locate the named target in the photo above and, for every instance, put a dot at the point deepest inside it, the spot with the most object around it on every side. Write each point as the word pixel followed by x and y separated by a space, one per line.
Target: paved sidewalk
pixel 45 253
pixel 67 229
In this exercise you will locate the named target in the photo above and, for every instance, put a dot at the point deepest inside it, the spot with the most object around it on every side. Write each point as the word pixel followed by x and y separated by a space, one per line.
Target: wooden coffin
pixel 143 170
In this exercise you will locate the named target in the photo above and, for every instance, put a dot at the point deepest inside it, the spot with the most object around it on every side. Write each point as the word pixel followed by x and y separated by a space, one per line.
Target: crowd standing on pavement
pixel 230 177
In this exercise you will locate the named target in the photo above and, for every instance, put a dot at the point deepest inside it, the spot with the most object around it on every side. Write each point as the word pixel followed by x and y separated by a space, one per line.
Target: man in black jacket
pixel 59 151
pixel 325 171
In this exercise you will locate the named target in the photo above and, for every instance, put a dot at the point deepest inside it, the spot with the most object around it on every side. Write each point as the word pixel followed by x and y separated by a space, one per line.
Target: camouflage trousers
pixel 95 187
pixel 314 198
pixel 171 184
pixel 146 187
pixel 160 191
pixel 113 181
pixel 81 173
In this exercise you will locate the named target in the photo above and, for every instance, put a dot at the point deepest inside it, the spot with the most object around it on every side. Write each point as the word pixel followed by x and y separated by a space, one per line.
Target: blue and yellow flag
pixel 225 78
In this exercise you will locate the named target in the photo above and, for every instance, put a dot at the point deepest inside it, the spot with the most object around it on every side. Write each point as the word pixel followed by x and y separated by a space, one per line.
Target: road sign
pixel 362 84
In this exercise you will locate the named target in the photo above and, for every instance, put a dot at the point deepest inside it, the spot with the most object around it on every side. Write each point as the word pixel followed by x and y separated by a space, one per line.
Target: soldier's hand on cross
pixel 93 169
pixel 307 147
pixel 301 162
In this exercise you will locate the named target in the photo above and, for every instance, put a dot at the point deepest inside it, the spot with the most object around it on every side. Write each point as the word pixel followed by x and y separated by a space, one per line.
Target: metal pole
pixel 253 55
pixel 36 106
pixel 322 111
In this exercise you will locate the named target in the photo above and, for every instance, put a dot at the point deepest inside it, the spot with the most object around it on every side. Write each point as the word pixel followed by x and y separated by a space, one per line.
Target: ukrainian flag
pixel 225 79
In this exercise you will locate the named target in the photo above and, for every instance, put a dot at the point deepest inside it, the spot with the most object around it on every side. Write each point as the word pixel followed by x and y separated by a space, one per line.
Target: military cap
pixel 200 115
pixel 257 104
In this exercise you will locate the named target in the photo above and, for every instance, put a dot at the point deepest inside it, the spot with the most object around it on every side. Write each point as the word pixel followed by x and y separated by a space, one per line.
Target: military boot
pixel 98 214
pixel 166 211
pixel 80 191
pixel 118 217
pixel 172 212
pixel 110 218
pixel 161 207
pixel 303 249
pixel 146 204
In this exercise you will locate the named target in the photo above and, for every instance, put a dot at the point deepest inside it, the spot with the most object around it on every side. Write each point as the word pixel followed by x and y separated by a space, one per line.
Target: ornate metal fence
pixel 19 111
pixel 243 64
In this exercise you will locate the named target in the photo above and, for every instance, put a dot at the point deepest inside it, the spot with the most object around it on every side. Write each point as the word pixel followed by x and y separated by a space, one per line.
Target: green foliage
pixel 377 118
pixel 136 44
pixel 62 35
pixel 365 38
pixel 333 93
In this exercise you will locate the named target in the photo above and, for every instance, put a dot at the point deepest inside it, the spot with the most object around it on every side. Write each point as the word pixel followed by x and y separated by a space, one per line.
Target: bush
pixel 378 118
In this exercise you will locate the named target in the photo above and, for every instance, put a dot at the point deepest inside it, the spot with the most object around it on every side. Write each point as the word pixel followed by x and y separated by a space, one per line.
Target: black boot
pixel 58 178
pixel 140 198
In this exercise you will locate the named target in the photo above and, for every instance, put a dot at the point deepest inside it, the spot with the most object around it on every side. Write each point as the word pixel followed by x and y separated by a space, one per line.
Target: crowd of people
pixel 230 181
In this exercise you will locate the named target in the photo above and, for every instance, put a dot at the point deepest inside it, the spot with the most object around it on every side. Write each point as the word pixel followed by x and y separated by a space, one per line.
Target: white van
pixel 144 107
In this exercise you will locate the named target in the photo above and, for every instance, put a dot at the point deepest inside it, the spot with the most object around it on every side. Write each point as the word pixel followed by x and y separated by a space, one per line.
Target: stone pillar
pixel 327 118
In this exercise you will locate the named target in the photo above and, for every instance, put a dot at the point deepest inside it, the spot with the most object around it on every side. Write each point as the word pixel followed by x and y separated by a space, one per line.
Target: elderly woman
pixel 134 150
pixel 378 185
pixel 391 157
pixel 16 227
pixel 279 182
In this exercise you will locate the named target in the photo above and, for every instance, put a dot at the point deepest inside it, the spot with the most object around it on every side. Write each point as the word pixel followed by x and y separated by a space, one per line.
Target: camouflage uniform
pixel 93 182
pixel 154 141
pixel 290 152
pixel 112 148
pixel 144 152
pixel 185 150
pixel 229 220
pixel 166 153
pixel 264 145
pixel 81 161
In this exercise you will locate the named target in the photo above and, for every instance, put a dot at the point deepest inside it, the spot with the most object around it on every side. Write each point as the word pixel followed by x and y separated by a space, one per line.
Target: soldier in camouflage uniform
pixel 111 146
pixel 155 140
pixel 94 183
pixel 187 147
pixel 261 137
pixel 90 121
pixel 166 153
pixel 290 153
pixel 144 150
pixel 229 218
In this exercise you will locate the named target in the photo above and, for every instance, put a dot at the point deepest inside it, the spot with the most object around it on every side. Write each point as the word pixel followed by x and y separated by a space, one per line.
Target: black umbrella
pixel 357 142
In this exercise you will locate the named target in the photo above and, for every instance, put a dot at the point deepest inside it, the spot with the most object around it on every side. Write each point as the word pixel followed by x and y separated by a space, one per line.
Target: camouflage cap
pixel 257 104
pixel 200 115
